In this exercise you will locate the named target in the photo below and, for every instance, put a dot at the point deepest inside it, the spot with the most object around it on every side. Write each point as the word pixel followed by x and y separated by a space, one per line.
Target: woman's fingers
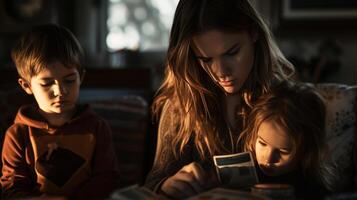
pixel 197 171
pixel 190 180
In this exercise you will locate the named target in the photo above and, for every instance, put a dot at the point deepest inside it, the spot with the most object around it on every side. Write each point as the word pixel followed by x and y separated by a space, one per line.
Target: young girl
pixel 286 133
pixel 221 57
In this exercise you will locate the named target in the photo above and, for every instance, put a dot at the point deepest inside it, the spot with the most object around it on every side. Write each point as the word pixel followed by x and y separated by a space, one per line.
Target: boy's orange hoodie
pixel 76 160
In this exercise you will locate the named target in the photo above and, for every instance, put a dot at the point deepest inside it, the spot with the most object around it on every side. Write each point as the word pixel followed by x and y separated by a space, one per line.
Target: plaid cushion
pixel 128 117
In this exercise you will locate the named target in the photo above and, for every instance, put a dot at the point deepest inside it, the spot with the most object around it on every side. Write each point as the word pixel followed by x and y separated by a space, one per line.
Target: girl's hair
pixel 44 44
pixel 188 84
pixel 299 110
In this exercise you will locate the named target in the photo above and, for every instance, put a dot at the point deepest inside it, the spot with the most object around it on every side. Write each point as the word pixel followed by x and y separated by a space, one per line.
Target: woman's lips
pixel 227 83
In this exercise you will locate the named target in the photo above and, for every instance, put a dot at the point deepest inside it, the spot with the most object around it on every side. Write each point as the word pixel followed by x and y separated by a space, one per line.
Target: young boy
pixel 56 148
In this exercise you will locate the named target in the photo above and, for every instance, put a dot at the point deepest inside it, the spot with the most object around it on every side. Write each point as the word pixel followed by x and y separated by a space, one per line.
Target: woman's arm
pixel 177 177
pixel 165 163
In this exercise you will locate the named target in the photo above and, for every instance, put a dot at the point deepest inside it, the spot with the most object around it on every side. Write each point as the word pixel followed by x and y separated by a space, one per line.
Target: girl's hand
pixel 188 181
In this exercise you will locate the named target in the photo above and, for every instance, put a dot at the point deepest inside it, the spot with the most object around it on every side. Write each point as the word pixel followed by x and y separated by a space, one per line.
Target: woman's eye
pixel 205 60
pixel 233 52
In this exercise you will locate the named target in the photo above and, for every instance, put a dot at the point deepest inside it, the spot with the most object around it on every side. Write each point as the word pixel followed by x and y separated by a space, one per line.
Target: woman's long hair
pixel 196 96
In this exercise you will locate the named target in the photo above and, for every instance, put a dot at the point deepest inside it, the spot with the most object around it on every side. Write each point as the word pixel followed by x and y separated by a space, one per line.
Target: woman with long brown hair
pixel 221 58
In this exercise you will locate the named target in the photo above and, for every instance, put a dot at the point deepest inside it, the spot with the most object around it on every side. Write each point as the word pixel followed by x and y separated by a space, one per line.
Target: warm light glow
pixel 124 39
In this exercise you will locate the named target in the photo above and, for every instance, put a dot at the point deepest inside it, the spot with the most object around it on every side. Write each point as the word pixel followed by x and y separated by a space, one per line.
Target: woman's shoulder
pixel 169 117
pixel 171 107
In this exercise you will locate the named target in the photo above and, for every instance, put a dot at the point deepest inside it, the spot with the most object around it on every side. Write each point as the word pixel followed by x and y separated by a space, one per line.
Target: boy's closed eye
pixel 72 80
pixel 46 84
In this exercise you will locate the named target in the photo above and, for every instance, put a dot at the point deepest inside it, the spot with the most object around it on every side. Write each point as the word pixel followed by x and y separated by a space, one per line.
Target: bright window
pixel 142 25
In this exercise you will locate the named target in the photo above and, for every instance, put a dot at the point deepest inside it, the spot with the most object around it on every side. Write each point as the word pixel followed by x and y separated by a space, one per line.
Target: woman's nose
pixel 221 68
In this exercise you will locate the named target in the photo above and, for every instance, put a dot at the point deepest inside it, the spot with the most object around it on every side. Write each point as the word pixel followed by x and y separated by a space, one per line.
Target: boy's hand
pixel 188 181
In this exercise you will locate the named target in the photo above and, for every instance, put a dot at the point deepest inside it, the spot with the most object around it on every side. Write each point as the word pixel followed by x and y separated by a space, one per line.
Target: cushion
pixel 341 128
pixel 127 115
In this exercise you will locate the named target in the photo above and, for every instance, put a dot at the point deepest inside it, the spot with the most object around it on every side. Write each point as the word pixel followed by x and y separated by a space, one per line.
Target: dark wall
pixel 328 42
pixel 14 20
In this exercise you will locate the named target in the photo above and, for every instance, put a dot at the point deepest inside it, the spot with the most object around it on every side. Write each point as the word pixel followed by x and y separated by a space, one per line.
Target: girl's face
pixel 273 150
pixel 228 56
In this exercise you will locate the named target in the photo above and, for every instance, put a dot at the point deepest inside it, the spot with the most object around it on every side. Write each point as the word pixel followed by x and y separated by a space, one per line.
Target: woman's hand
pixel 188 181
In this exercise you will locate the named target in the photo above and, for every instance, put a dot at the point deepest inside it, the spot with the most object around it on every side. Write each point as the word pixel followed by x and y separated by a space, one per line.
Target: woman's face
pixel 229 56
pixel 273 150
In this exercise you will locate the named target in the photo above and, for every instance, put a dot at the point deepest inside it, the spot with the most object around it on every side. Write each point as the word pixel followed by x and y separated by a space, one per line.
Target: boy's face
pixel 55 88
pixel 273 150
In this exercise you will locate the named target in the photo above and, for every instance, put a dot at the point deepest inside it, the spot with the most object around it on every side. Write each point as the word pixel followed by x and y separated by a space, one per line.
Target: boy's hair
pixel 300 111
pixel 44 44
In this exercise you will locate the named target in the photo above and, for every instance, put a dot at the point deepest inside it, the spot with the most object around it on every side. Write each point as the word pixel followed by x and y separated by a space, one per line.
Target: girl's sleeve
pixel 18 179
pixel 105 175
pixel 165 163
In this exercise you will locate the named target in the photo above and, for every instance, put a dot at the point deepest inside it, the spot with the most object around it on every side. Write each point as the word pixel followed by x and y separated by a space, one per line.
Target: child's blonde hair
pixel 44 44
pixel 300 111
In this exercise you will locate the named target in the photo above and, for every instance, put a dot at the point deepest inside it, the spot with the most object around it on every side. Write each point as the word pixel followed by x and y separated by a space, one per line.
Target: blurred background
pixel 318 36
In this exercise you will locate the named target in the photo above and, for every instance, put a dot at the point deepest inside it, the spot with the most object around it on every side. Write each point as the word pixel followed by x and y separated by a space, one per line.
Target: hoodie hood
pixel 30 116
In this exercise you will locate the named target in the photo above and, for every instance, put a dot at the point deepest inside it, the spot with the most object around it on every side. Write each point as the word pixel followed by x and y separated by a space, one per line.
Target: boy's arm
pixel 18 179
pixel 105 176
